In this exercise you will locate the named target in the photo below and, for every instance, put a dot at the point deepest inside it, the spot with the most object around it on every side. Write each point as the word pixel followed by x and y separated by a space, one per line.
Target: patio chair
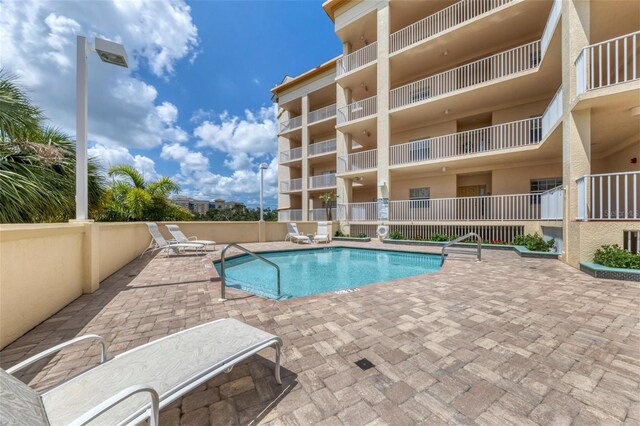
pixel 159 243
pixel 322 234
pixel 294 235
pixel 179 237
pixel 133 386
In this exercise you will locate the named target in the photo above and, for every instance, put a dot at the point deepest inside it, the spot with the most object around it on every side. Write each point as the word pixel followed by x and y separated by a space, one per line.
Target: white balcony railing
pixel 322 181
pixel 322 147
pixel 290 155
pixel 552 203
pixel 552 21
pixel 322 113
pixel 358 212
pixel 291 124
pixel 494 138
pixel 610 196
pixel 321 214
pixel 357 59
pixel 497 207
pixel 358 161
pixel 500 65
pixel 291 185
pixel 290 215
pixel 607 63
pixel 552 114
pixel 357 109
pixel 441 21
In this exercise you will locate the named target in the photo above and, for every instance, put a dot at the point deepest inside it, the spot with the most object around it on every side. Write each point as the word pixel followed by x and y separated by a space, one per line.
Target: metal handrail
pixel 464 237
pixel 249 252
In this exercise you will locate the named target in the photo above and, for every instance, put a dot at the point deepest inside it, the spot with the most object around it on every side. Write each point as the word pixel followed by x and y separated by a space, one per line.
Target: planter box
pixel 521 250
pixel 364 240
pixel 600 271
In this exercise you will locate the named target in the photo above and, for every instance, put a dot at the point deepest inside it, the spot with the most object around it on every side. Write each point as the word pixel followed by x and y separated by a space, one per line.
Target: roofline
pixel 330 7
pixel 331 63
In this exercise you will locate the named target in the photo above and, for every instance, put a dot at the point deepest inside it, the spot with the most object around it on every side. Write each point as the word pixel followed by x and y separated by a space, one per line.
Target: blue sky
pixel 195 104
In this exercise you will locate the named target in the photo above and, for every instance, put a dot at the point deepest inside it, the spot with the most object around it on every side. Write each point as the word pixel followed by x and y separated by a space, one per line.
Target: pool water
pixel 313 271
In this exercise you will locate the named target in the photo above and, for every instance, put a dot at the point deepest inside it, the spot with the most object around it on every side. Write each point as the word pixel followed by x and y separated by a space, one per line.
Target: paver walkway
pixel 507 341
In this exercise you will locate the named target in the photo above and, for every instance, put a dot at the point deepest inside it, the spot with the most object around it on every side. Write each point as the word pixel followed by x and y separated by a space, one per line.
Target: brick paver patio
pixel 507 341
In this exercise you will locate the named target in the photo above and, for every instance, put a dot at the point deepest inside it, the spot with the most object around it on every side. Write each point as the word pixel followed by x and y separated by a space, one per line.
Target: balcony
pixel 290 155
pixel 321 148
pixel 291 124
pixel 322 113
pixel 608 63
pixel 322 181
pixel 610 196
pixel 292 185
pixel 290 215
pixel 358 212
pixel 357 110
pixel 321 214
pixel 441 21
pixel 357 59
pixel 552 204
pixel 500 65
pixel 364 160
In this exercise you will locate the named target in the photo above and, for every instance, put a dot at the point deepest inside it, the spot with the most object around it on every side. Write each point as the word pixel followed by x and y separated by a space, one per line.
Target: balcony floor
pixel 509 340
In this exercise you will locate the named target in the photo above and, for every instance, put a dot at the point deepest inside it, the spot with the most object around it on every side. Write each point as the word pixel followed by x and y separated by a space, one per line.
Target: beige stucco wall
pixel 119 244
pixel 520 112
pixel 431 131
pixel 41 271
pixel 518 180
pixel 590 236
pixel 442 186
pixel 619 161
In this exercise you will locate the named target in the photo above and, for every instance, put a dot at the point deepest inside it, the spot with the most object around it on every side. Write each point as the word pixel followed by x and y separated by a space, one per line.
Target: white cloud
pixel 39 46
pixel 256 81
pixel 111 156
pixel 190 161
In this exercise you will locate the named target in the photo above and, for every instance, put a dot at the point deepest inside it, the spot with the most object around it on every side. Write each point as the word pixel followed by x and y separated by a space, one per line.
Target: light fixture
pixel 111 53
pixel 445 53
pixel 444 169
pixel 364 86
pixel 446 111
pixel 382 184
pixel 364 40
pixel 635 111
pixel 366 133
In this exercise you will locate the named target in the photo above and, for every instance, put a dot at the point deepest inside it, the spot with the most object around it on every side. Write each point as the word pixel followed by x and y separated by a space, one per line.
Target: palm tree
pixel 131 198
pixel 37 163
pixel 328 202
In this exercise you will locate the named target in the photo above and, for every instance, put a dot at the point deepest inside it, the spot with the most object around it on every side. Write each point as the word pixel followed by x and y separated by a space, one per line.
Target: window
pixel 536 129
pixel 420 150
pixel 539 186
pixel 420 95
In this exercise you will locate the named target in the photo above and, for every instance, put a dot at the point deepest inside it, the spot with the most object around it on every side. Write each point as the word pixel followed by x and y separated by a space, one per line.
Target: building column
pixel 305 161
pixel 576 126
pixel 343 147
pixel 284 173
pixel 383 82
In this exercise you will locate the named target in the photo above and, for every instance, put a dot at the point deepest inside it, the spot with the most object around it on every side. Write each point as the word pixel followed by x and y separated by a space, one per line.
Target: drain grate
pixel 364 364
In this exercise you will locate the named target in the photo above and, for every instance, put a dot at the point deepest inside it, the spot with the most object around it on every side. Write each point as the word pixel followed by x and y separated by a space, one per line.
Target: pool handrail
pixel 249 252
pixel 478 251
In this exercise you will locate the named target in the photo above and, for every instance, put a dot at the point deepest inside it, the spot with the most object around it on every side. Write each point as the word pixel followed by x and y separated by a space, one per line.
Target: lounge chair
pixel 322 234
pixel 179 237
pixel 159 243
pixel 294 235
pixel 135 385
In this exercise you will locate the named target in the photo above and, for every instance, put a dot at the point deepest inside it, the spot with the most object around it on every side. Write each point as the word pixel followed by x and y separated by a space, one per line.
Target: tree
pixel 37 163
pixel 239 213
pixel 130 198
pixel 328 202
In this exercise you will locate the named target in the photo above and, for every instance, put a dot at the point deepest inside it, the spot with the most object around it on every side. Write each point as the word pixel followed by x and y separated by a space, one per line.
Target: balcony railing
pixel 291 124
pixel 322 147
pixel 359 161
pixel 321 214
pixel 358 212
pixel 607 63
pixel 554 18
pixel 552 114
pixel 494 138
pixel 357 59
pixel 441 21
pixel 291 185
pixel 290 215
pixel 322 113
pixel 552 203
pixel 611 196
pixel 290 155
pixel 500 65
pixel 357 109
pixel 322 181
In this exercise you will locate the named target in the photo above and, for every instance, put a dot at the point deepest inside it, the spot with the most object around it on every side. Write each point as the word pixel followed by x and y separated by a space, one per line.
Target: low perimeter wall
pixel 44 267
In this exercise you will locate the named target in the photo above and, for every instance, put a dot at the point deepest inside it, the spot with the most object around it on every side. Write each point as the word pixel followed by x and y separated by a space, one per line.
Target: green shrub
pixel 339 233
pixel 442 237
pixel 616 257
pixel 361 235
pixel 397 235
pixel 534 242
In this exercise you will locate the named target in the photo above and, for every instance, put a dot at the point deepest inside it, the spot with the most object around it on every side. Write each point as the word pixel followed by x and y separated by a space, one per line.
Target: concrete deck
pixel 506 341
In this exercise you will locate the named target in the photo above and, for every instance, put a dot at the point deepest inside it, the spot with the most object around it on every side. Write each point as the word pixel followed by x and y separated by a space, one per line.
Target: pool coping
pixel 522 251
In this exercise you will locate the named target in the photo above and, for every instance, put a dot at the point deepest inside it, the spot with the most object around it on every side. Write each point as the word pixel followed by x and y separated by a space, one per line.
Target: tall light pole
pixel 112 53
pixel 263 167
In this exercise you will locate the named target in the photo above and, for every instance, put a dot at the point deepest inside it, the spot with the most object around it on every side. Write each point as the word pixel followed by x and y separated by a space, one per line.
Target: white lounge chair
pixel 135 385
pixel 159 243
pixel 322 234
pixel 294 235
pixel 179 237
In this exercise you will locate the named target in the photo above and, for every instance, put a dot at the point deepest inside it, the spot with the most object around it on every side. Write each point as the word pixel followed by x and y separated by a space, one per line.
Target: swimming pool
pixel 313 271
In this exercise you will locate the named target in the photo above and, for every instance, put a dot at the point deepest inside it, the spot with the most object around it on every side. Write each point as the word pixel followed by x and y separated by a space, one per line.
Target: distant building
pixel 203 206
